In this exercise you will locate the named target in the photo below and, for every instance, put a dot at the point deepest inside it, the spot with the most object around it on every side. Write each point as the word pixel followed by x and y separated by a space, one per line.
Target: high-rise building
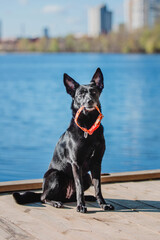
pixel 46 32
pixel 99 21
pixel 141 13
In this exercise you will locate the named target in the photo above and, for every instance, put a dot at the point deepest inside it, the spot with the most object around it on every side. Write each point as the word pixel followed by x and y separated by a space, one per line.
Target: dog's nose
pixel 90 101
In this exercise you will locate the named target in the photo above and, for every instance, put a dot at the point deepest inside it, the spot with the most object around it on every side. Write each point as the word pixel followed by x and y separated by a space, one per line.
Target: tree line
pixel 141 41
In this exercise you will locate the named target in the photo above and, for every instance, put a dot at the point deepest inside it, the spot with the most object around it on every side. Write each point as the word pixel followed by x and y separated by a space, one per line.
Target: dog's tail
pixel 31 197
pixel 27 197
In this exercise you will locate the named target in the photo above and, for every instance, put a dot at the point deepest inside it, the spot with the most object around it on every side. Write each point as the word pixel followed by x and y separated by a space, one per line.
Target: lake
pixel 35 110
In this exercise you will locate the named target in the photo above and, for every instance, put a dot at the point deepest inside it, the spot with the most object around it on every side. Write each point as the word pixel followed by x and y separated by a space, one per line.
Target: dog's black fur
pixel 75 155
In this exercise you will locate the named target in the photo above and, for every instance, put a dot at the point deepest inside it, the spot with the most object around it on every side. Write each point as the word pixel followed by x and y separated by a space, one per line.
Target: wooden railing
pixel 34 184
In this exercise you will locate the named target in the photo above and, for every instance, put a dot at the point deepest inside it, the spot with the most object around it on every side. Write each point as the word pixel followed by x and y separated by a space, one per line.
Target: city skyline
pixel 26 18
pixel 141 13
pixel 99 20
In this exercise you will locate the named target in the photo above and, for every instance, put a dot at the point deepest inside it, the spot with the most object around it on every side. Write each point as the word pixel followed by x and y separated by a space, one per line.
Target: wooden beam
pixel 11 186
pixel 34 184
pixel 130 176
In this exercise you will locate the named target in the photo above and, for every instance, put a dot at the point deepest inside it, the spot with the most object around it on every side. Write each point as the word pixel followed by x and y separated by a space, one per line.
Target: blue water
pixel 35 110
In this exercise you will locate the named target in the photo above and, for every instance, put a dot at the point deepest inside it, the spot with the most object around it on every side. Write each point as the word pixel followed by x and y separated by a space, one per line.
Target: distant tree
pixel 83 45
pixel 145 40
pixel 53 45
pixel 23 45
pixel 42 45
pixel 69 43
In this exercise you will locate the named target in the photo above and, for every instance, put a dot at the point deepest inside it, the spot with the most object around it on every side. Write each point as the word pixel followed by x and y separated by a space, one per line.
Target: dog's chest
pixel 85 154
pixel 86 166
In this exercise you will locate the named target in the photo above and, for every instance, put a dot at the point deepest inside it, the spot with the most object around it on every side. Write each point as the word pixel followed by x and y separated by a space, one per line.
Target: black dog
pixel 76 153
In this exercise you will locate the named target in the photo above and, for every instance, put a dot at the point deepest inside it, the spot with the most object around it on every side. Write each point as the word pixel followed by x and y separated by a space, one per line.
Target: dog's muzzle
pixel 95 126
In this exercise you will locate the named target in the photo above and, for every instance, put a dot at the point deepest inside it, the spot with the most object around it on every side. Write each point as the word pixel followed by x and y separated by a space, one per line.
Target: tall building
pixel 46 32
pixel 99 21
pixel 141 13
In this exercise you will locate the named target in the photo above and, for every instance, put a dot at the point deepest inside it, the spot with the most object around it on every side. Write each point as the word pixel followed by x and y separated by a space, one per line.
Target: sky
pixel 28 18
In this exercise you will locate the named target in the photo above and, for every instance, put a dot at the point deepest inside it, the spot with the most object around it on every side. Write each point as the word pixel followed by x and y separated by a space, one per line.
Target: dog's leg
pixel 96 180
pixel 54 188
pixel 77 173
pixel 45 198
pixel 87 182
pixel 97 185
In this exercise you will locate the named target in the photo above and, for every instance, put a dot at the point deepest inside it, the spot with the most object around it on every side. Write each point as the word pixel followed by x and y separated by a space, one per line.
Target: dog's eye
pixel 94 92
pixel 80 96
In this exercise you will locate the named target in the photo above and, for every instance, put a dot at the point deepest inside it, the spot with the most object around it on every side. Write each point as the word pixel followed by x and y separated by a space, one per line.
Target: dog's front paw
pixel 107 207
pixel 58 205
pixel 81 208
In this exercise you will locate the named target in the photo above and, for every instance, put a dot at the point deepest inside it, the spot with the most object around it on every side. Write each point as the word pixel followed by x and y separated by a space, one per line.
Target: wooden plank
pixel 9 230
pixel 140 221
pixel 105 178
pixel 51 223
pixel 20 216
pixel 145 192
pixel 131 176
pixel 21 185
pixel 67 223
pixel 134 211
pixel 133 195
pixel 46 222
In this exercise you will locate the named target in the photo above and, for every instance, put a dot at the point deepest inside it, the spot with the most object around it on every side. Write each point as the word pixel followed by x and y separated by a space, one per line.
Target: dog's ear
pixel 70 84
pixel 98 79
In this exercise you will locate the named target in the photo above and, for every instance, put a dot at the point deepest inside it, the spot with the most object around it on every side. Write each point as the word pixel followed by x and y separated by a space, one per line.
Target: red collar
pixel 94 126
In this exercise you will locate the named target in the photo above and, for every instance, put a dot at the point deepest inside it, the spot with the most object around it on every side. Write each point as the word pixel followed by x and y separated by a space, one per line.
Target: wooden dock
pixel 136 216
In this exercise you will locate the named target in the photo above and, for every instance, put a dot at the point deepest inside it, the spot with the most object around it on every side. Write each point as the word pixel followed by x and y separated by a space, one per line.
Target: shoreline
pixel 94 53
